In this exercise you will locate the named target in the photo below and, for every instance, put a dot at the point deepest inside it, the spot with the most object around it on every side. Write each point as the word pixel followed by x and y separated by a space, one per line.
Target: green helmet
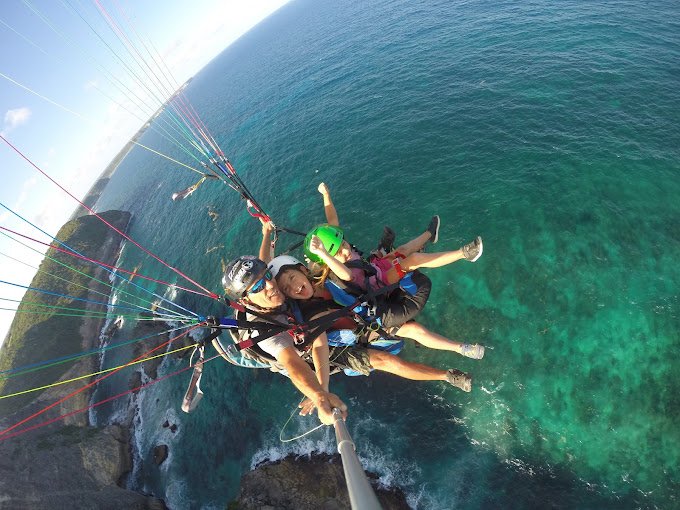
pixel 331 238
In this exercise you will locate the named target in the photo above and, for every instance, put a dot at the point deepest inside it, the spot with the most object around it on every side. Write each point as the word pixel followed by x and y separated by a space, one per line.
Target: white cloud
pixel 15 118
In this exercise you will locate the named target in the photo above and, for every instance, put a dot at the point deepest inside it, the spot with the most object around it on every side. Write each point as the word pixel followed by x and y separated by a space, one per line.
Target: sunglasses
pixel 260 284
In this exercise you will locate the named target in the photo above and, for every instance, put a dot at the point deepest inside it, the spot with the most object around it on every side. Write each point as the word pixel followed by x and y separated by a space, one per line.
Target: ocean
pixel 551 129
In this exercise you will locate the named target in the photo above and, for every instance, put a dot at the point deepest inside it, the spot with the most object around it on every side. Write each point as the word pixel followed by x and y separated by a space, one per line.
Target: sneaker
pixel 473 250
pixel 387 240
pixel 433 229
pixel 459 379
pixel 474 351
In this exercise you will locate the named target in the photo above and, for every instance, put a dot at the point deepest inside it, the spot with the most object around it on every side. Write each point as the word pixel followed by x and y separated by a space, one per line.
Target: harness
pixel 405 282
pixel 303 333
pixel 365 305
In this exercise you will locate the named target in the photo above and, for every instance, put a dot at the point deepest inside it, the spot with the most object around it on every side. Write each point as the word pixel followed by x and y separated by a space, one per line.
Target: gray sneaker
pixel 473 250
pixel 459 379
pixel 433 229
pixel 474 351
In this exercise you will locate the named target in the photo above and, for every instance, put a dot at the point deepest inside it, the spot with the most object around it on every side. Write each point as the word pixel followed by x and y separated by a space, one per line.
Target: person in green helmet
pixel 325 245
pixel 295 281
pixel 396 309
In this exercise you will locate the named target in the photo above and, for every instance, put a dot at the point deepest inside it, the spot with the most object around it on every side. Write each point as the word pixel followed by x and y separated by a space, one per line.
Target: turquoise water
pixel 552 130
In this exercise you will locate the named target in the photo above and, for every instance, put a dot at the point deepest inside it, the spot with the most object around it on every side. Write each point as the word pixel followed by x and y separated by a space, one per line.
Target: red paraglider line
pixel 89 385
pixel 211 294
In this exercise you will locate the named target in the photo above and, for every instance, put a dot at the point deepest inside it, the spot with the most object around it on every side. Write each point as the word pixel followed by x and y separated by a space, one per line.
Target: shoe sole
pixel 466 385
pixel 435 237
pixel 481 250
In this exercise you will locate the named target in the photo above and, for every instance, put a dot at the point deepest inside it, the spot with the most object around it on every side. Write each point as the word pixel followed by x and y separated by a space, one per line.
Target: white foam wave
pixel 494 390
pixel 273 450
pixel 170 293
pixel 176 494
pixel 392 469
pixel 135 480
pixel 520 466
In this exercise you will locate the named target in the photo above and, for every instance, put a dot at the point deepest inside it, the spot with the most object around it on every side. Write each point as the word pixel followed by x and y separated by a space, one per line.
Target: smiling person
pixel 248 280
pixel 332 256
pixel 295 281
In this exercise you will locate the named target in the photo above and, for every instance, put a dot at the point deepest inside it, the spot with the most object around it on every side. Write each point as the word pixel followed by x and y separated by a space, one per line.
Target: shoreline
pixel 86 464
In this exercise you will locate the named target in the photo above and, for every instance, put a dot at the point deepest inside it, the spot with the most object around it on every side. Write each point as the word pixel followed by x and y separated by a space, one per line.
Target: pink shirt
pixel 381 266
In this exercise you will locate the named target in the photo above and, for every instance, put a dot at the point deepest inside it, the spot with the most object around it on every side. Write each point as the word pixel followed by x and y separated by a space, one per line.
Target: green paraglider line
pixel 72 357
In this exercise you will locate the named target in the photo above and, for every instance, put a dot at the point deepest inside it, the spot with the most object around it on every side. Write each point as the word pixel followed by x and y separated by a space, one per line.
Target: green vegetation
pixel 42 336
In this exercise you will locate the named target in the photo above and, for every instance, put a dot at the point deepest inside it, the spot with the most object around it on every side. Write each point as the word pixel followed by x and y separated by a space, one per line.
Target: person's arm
pixel 328 207
pixel 321 367
pixel 267 246
pixel 305 380
pixel 339 269
pixel 321 362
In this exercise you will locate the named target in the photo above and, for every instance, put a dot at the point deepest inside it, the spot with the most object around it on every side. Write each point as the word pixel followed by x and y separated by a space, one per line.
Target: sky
pixel 64 105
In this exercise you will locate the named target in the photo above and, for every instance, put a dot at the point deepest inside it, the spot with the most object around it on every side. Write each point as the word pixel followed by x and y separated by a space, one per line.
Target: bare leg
pixel 428 338
pixel 425 337
pixel 386 362
pixel 416 260
pixel 414 245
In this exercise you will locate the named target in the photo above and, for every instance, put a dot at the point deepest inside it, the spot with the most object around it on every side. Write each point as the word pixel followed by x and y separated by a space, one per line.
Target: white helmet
pixel 282 261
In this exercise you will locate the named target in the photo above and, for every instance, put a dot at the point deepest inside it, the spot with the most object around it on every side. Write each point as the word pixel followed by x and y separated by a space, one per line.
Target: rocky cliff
pixel 69 467
pixel 305 483
pixel 67 464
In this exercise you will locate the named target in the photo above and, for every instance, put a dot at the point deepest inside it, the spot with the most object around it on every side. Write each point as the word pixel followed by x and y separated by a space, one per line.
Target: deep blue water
pixel 552 130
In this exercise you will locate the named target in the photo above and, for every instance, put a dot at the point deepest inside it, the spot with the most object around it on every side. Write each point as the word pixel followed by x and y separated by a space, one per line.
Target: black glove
pixel 212 321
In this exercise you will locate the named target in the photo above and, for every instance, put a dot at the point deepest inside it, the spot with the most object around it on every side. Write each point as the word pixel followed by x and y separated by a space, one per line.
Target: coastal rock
pixel 306 483
pixel 33 338
pixel 135 381
pixel 69 467
pixel 155 332
pixel 160 453
pixel 68 464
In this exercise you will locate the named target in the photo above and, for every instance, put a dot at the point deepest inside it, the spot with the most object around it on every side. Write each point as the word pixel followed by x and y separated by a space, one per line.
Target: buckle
pixel 370 310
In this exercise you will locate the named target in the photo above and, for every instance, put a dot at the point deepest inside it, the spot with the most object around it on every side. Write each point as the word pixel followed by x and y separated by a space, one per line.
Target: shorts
pixel 353 357
pixel 399 307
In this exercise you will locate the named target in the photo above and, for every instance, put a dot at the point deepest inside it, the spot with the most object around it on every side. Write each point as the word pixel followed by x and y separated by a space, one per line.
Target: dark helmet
pixel 241 273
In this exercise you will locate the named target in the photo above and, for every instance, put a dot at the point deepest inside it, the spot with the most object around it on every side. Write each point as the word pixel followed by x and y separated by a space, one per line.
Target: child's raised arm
pixel 328 207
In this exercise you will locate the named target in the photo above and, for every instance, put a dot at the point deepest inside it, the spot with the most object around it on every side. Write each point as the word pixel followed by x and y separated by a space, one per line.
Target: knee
pixel 378 358
pixel 409 329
